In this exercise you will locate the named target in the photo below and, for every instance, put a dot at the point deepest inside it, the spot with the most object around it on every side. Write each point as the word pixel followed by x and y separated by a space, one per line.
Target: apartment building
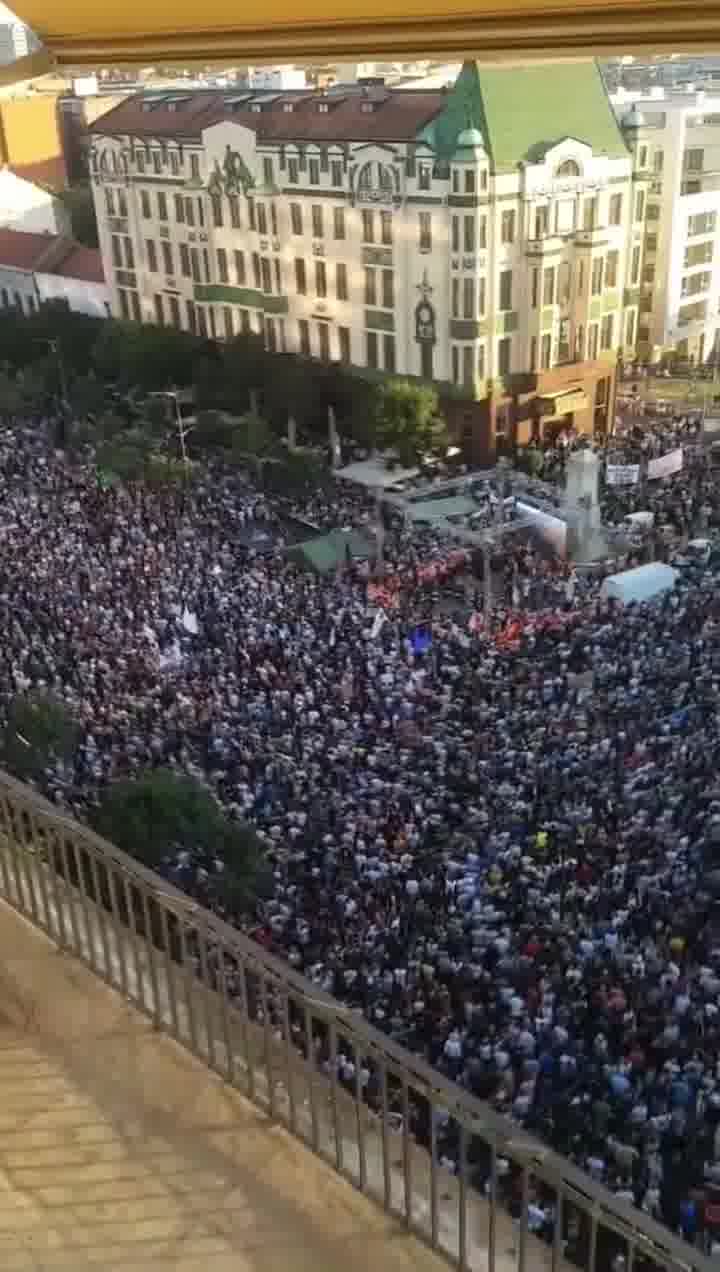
pixel 488 237
pixel 675 140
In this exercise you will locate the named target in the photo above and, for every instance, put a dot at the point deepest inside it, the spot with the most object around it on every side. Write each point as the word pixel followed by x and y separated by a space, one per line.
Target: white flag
pixel 189 622
pixel 377 623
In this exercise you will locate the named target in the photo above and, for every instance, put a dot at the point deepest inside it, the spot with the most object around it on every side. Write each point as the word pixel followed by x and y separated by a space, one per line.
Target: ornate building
pixel 487 237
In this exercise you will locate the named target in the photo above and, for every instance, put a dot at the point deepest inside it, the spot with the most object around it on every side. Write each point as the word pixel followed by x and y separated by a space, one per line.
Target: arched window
pixel 376 176
pixel 568 169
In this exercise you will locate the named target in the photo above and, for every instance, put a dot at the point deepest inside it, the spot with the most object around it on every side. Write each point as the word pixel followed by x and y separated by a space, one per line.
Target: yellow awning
pixel 564 402
pixel 83 32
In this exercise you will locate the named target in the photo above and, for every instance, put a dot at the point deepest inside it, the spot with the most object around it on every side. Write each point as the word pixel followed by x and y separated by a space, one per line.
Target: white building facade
pixel 29 207
pixel 397 231
pixel 675 137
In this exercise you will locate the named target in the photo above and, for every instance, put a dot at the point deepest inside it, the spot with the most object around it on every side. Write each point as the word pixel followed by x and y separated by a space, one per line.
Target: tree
pixel 161 813
pixel 405 417
pixel 38 732
pixel 144 354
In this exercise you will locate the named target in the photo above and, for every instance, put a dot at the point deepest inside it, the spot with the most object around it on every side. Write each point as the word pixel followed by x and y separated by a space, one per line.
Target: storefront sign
pixel 622 474
pixel 666 465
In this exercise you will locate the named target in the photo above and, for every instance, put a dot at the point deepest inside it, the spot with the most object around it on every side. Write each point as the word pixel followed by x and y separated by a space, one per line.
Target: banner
pixel 666 465
pixel 622 474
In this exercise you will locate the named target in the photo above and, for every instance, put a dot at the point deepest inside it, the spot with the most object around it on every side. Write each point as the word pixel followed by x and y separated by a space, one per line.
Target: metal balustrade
pixel 443 1162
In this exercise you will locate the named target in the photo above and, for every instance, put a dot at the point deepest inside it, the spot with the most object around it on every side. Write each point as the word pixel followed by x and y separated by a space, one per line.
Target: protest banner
pixel 666 465
pixel 622 474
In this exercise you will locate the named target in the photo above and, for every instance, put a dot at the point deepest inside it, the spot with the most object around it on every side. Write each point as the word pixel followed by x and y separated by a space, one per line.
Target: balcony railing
pixel 277 1038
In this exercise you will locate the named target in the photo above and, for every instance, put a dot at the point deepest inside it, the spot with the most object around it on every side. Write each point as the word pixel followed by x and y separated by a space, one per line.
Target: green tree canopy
pixel 160 813
pixel 39 731
pixel 143 354
pixel 79 204
pixel 405 416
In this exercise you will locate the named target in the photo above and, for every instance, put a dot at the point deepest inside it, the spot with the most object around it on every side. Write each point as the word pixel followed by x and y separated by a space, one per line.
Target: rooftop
pixel 50 254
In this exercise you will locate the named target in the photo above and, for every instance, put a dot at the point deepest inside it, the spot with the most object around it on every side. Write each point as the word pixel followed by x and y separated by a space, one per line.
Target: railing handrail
pixel 479 1118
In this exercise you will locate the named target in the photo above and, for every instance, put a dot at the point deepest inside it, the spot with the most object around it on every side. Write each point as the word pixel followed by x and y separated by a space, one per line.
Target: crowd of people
pixel 506 858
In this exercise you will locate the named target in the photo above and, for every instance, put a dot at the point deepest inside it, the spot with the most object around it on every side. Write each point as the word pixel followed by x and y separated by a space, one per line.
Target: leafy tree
pixel 144 354
pixel 11 398
pixel 405 416
pixel 38 732
pixel 79 204
pixel 252 435
pixel 125 457
pixel 161 813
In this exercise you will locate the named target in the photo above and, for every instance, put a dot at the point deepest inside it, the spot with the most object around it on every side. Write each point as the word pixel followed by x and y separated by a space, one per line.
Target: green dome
pixel 470 139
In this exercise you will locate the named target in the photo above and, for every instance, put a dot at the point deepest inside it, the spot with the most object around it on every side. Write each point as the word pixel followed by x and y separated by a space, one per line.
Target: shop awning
pixel 84 33
pixel 564 402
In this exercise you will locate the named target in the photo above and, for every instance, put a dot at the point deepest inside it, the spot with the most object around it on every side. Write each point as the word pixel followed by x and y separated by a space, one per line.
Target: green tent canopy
pixel 330 551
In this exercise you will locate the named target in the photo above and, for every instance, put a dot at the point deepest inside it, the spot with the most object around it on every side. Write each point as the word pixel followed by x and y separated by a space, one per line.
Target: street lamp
pixel 55 348
pixel 182 431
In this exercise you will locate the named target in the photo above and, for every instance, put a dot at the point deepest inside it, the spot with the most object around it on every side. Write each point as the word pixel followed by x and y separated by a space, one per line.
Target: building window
pixel 468 371
pixel 265 275
pixel 268 174
pixel 344 344
pixel 658 161
pixel 597 276
pixel 642 157
pixel 482 233
pixel 140 161
pixel 175 311
pixel 388 289
pixel 317 220
pixel 336 172
pixel 455 303
pixel 174 162
pixel 184 260
pixel 324 341
pixel 702 223
pixel 386 235
pixel 339 223
pixel 504 351
pixel 507 227
pixel 145 206
pixel 190 212
pixel 611 269
pixel 505 298
pixel 580 343
pixel 606 332
pixel 159 311
pixel 228 322
pixel 640 205
pixel 195 167
pixel 167 257
pixel 469 181
pixel 424 176
pixel 341 284
pixel 370 287
pixel 563 349
pixel 179 209
pixel 425 231
pixel 129 254
pixel 455 234
pixel 195 265
pixel 616 207
pixel 481 362
pixel 371 349
pixel 124 307
pixel 296 223
pixel 481 297
pixel 110 202
pixel 151 256
pixel 469 234
pixel 630 328
pixel 694 161
pixel 533 353
pixel 240 268
pixel 293 172
pixel 320 279
pixel 314 171
pixel 590 213
pixel 389 353
pixel 546 351
pixel 564 280
pixel 541 222
pixel 252 220
pixel 261 219
pixel 535 288
pixel 222 265
pixel 455 364
pixel 300 277
pixel 162 205
pixel 116 251
pixel 549 285
pixel 257 278
pixel 593 341
pixel 635 267
pixel 135 306
pixel 469 298
pixel 234 212
pixel 217 211
pixel 304 331
pixel 368 226
pixel 201 218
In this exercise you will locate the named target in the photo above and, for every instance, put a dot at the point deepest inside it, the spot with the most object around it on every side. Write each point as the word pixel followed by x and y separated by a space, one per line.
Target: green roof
pixel 330 551
pixel 522 111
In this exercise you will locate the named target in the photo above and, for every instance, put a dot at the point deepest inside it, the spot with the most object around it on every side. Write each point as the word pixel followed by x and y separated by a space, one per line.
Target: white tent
pixel 641 584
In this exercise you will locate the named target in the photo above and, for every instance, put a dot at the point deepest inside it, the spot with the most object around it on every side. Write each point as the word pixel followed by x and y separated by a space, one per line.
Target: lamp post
pixel 55 348
pixel 182 431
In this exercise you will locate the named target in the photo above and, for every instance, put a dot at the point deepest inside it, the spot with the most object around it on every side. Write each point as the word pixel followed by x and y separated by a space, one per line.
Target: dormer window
pixel 288 107
pixel 323 108
pixel 367 108
pixel 569 168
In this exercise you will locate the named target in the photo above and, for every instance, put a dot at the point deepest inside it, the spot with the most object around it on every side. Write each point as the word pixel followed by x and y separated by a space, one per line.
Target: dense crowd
pixel 505 858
